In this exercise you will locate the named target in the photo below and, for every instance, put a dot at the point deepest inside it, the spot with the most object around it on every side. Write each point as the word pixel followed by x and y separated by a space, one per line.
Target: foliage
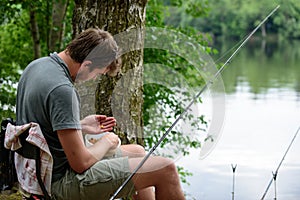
pixel 176 96
pixel 16 53
pixel 16 44
pixel 288 19
pixel 234 18
pixel 178 81
pixel 15 9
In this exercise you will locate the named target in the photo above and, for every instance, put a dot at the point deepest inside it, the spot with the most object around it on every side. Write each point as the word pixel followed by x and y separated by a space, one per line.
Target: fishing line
pixel 210 82
pixel 275 174
pixel 230 50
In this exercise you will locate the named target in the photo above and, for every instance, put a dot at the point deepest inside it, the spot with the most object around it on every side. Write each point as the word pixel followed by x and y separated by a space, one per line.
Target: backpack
pixel 8 175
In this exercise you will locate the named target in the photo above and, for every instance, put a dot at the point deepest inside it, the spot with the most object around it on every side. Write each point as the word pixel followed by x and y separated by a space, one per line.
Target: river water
pixel 262 115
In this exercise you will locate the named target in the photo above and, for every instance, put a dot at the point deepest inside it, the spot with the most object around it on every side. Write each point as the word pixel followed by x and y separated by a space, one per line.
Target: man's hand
pixel 95 124
pixel 111 139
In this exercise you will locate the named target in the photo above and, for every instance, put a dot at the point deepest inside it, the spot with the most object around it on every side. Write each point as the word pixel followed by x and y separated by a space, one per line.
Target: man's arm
pixel 79 156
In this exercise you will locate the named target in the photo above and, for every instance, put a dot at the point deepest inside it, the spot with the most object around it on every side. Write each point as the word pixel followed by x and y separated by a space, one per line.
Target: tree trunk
pixel 35 33
pixel 59 8
pixel 121 96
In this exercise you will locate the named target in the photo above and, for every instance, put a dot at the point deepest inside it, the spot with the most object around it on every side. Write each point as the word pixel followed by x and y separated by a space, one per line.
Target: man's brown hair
pixel 97 46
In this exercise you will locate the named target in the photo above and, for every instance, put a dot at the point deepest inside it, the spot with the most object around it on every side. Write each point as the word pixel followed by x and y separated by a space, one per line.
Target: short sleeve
pixel 64 108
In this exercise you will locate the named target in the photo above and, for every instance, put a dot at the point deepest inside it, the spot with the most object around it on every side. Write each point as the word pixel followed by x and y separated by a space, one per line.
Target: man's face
pixel 84 73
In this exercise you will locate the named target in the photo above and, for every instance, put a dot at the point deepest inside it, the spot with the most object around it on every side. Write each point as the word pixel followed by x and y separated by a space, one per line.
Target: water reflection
pixel 264 67
pixel 262 114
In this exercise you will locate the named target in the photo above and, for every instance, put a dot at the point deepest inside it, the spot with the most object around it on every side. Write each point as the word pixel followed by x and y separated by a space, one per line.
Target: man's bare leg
pixel 158 172
pixel 145 194
pixel 133 151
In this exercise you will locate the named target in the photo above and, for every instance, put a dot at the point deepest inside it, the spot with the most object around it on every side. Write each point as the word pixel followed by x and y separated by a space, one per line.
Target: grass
pixel 12 196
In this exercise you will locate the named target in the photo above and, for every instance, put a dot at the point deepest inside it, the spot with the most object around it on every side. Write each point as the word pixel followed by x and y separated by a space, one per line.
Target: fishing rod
pixel 233 179
pixel 275 174
pixel 210 82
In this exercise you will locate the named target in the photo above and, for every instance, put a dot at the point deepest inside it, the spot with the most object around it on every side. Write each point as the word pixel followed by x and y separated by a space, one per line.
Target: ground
pixel 14 196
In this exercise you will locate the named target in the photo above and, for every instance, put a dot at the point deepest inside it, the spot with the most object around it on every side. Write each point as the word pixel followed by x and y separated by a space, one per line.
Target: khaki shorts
pixel 99 182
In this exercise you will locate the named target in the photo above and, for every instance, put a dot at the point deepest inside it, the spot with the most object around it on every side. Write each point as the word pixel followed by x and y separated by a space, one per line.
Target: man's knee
pixel 140 150
pixel 171 170
pixel 166 167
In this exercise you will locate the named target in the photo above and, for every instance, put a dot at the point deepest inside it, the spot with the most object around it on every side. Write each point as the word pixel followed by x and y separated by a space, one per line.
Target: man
pixel 46 95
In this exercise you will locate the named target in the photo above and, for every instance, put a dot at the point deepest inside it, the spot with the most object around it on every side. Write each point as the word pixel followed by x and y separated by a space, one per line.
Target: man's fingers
pixel 109 121
pixel 100 118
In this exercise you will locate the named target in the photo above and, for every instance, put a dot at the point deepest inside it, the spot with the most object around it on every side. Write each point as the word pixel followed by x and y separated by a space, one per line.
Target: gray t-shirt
pixel 46 95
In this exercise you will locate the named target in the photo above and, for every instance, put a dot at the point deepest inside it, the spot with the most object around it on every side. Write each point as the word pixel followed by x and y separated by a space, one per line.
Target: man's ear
pixel 86 63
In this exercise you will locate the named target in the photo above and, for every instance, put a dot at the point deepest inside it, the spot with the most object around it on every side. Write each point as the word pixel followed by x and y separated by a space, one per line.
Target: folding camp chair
pixel 30 151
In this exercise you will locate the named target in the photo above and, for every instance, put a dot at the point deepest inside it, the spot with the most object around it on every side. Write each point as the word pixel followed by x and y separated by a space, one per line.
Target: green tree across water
pixel 234 18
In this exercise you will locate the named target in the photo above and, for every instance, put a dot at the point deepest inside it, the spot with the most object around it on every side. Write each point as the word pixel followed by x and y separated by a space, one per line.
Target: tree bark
pixel 35 33
pixel 121 96
pixel 59 9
